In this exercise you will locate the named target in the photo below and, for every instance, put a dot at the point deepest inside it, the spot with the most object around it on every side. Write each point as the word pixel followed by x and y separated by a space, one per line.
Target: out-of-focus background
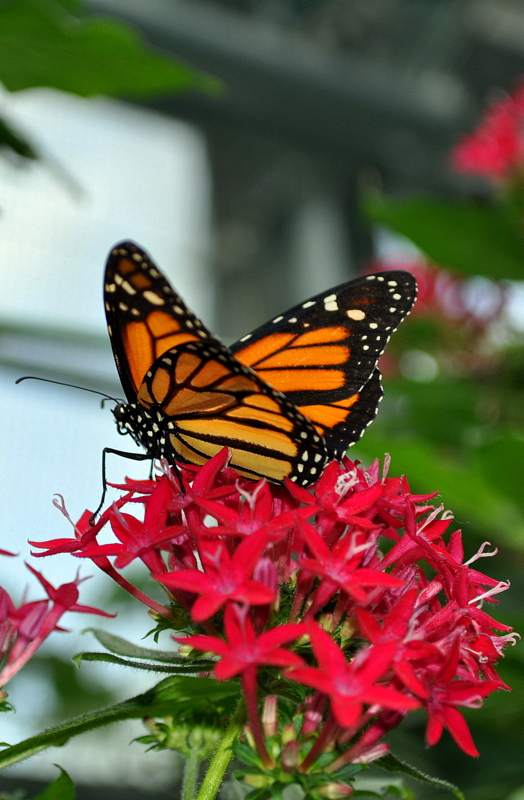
pixel 261 151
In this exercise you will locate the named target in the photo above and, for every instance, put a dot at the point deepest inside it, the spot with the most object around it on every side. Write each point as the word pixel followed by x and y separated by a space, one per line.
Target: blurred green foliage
pixel 43 43
pixel 460 431
pixel 475 237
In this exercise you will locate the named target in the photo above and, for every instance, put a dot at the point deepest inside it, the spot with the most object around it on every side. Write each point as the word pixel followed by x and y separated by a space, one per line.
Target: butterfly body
pixel 285 398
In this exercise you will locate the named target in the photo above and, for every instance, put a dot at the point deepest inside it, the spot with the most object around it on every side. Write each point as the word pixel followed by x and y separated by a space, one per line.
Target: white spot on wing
pixel 126 286
pixel 355 313
pixel 154 298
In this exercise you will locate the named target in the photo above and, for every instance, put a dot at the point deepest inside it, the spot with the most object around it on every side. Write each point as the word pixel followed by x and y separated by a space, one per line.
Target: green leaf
pixel 42 45
pixel 391 763
pixel 179 696
pixel 470 238
pixel 122 647
pixel 183 669
pixel 61 789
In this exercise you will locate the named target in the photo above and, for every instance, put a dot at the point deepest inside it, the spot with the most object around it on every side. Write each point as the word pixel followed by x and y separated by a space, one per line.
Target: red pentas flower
pixel 223 577
pixel 496 148
pixel 352 590
pixel 24 628
pixel 352 684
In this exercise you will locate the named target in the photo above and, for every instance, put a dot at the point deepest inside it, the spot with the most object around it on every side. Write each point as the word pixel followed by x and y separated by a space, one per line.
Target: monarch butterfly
pixel 285 398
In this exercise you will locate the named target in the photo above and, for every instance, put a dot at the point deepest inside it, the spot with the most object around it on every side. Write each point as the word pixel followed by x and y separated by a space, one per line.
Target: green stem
pixel 190 776
pixel 223 755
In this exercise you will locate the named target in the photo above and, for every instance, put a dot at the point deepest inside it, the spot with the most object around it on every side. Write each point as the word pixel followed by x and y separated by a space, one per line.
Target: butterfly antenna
pixel 69 385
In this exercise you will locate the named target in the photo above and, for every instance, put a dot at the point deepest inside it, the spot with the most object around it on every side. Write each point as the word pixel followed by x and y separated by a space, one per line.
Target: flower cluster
pixel 23 629
pixel 496 148
pixel 347 594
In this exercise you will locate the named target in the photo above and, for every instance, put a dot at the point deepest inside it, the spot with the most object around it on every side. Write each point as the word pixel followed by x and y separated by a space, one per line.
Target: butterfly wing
pixel 188 395
pixel 323 353
pixel 145 317
pixel 210 400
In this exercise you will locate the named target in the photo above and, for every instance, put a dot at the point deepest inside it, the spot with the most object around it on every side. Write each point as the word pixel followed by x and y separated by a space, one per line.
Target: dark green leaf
pixel 42 45
pixel 391 763
pixel 470 238
pixel 61 789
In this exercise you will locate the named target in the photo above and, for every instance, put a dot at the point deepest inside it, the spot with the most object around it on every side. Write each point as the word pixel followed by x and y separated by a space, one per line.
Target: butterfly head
pixel 123 415
pixel 146 428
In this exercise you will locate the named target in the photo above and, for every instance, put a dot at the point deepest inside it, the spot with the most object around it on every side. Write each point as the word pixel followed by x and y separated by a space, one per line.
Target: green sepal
pixel 192 740
pixel 258 794
pixel 347 773
pixel 246 754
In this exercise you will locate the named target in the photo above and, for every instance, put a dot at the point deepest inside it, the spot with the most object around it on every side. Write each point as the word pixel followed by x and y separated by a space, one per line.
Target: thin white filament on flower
pixel 481 554
pixel 500 587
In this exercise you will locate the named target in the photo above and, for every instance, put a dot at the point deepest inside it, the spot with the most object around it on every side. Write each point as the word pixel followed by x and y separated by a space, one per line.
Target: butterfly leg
pixel 123 454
